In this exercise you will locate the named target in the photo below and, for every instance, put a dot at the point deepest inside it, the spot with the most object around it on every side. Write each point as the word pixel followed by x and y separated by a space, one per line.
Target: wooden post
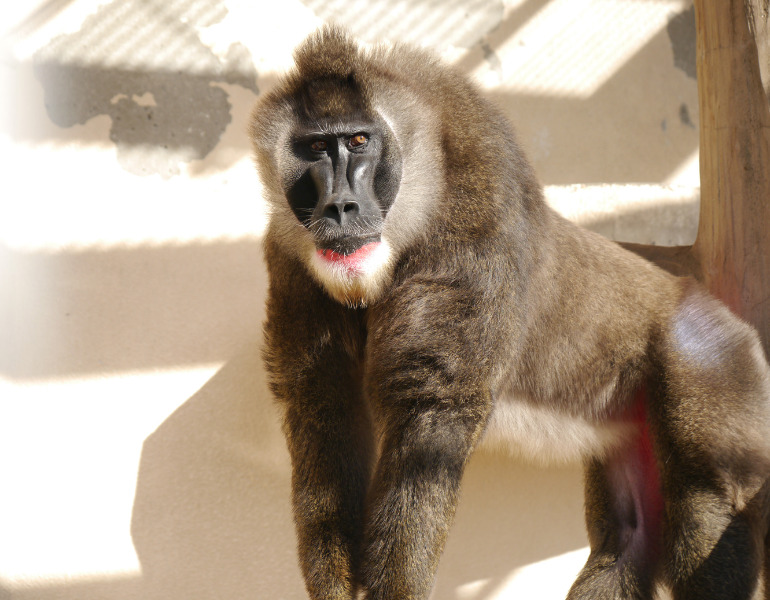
pixel 733 241
pixel 731 254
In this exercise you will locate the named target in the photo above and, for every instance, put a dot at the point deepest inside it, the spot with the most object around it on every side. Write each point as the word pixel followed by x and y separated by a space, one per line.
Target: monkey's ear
pixel 328 53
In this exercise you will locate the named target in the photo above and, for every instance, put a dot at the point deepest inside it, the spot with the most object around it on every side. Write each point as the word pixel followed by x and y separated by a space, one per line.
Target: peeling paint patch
pixel 684 116
pixel 495 64
pixel 143 64
pixel 681 33
pixel 146 99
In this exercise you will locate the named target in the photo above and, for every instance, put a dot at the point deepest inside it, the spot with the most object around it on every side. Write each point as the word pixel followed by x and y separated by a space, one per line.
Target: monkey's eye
pixel 358 140
pixel 318 146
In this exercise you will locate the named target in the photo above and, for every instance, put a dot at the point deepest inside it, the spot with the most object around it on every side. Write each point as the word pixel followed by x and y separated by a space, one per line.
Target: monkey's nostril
pixel 341 209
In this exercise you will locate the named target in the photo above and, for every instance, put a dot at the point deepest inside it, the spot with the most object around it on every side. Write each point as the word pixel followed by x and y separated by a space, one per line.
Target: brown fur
pixel 494 313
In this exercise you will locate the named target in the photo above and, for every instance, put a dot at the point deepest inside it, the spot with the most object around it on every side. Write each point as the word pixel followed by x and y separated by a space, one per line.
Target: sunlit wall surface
pixel 141 456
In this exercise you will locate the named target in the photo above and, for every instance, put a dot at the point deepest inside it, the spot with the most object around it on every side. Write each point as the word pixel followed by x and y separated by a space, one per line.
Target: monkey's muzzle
pixel 352 262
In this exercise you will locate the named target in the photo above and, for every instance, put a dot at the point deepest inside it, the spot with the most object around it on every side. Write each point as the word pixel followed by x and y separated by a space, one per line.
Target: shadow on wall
pixel 212 516
pixel 162 88
pixel 639 126
pixel 124 309
pixel 163 306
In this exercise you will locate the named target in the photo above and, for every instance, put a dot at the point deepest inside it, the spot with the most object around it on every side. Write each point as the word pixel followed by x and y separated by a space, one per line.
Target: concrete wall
pixel 140 452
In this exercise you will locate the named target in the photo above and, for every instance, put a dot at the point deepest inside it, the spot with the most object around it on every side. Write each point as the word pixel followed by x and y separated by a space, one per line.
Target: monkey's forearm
pixel 315 375
pixel 406 532
pixel 329 436
pixel 412 501
pixel 330 475
pixel 328 517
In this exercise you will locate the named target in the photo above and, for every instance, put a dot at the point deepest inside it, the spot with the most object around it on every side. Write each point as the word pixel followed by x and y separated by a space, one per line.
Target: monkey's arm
pixel 425 380
pixel 328 431
pixel 330 464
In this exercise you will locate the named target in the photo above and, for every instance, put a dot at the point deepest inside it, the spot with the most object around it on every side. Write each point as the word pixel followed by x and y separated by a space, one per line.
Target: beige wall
pixel 140 452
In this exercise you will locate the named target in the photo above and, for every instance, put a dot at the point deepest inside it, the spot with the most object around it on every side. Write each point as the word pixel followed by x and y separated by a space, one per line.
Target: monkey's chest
pixel 544 434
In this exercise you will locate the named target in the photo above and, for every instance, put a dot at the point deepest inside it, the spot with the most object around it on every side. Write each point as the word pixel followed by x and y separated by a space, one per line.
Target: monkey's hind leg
pixel 710 417
pixel 713 549
pixel 623 516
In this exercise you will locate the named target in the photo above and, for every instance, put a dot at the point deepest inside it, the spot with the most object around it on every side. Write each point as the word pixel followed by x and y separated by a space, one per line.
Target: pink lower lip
pixel 351 261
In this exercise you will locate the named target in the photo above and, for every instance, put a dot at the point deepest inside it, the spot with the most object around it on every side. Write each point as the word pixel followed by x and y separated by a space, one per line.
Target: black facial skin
pixel 348 179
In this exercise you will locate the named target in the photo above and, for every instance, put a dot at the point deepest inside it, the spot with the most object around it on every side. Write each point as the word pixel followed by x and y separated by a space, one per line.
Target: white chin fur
pixel 359 286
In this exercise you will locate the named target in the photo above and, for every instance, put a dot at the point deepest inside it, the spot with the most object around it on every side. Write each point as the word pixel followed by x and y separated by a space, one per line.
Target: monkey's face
pixel 341 152
pixel 341 186
pixel 340 179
